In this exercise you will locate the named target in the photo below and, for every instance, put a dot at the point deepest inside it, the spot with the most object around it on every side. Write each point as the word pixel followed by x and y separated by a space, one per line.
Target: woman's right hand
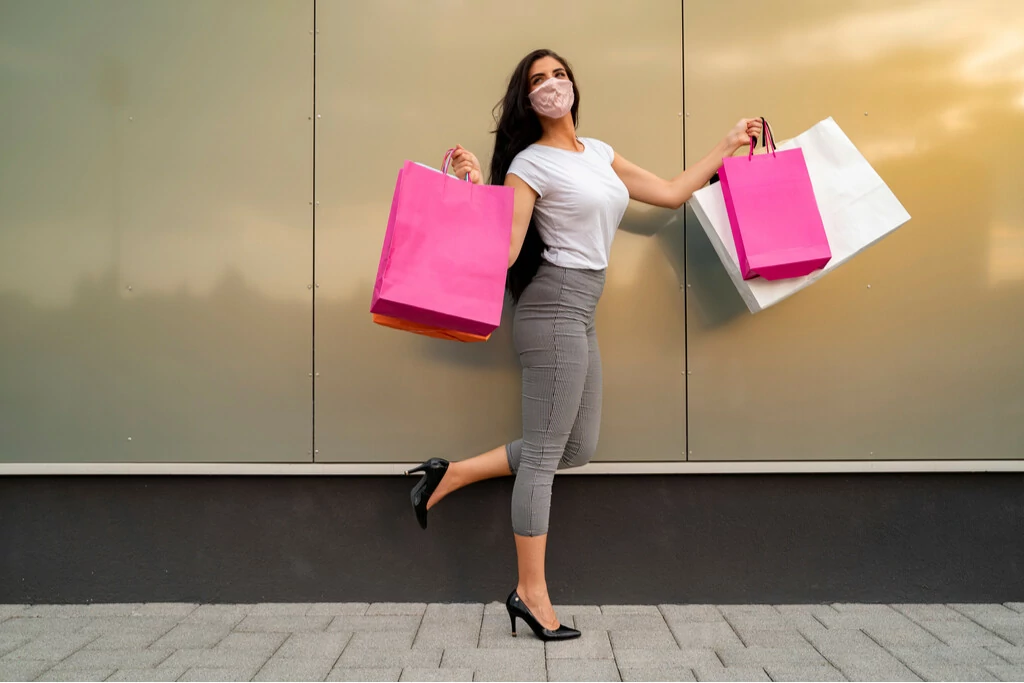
pixel 463 162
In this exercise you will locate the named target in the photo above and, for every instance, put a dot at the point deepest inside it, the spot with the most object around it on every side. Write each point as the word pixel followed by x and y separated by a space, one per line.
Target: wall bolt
pixel 309 286
pixel 318 115
pixel 129 438
pixel 318 285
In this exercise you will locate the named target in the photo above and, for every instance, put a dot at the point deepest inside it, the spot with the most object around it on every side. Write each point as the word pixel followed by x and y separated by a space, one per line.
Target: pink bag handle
pixel 448 161
pixel 768 139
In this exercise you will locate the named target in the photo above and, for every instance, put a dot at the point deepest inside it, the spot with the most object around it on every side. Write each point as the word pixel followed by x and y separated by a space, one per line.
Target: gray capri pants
pixel 557 344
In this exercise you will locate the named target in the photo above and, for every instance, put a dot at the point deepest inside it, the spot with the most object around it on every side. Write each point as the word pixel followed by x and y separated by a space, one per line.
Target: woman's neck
pixel 560 133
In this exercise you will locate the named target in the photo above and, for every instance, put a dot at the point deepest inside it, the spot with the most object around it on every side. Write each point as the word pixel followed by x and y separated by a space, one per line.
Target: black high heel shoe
pixel 433 470
pixel 517 608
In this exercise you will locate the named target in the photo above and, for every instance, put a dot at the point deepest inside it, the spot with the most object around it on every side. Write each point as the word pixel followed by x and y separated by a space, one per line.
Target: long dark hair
pixel 517 128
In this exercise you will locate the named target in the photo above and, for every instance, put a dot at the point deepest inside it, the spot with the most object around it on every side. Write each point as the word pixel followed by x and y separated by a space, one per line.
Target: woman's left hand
pixel 741 134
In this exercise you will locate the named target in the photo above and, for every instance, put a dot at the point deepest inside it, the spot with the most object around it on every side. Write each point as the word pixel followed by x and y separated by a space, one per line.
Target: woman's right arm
pixel 523 201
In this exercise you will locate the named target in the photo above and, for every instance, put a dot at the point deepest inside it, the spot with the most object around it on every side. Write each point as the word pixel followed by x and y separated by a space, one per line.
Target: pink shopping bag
pixel 445 252
pixel 776 224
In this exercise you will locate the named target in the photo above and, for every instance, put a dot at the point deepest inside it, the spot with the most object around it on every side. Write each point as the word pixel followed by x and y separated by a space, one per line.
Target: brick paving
pixel 473 642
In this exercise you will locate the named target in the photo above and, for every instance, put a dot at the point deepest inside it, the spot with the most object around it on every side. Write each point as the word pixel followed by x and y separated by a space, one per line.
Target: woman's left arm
pixel 648 188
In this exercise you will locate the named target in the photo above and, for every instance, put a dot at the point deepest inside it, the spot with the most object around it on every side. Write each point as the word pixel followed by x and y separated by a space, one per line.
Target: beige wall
pixel 401 80
pixel 928 362
pixel 167 259
pixel 155 187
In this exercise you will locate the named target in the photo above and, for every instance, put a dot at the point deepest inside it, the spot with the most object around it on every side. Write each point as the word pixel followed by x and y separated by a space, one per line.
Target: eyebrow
pixel 558 70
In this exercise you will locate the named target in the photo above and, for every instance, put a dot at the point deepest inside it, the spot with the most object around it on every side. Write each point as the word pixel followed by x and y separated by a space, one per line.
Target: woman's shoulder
pixel 601 147
pixel 530 152
pixel 534 156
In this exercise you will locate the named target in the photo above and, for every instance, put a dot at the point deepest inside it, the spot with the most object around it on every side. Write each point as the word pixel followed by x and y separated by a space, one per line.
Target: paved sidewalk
pixel 463 642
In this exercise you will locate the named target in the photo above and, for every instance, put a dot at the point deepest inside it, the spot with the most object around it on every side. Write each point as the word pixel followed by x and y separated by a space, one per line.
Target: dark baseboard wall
pixel 614 539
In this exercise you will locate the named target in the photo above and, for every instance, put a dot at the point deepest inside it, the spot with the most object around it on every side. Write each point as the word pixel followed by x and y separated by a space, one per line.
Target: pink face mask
pixel 553 98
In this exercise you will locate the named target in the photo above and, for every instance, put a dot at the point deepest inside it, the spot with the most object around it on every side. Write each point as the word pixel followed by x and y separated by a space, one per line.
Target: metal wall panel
pixel 912 349
pixel 156 245
pixel 403 80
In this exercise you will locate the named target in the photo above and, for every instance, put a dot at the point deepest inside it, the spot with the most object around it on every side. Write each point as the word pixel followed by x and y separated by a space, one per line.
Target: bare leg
pixel 532 586
pixel 493 463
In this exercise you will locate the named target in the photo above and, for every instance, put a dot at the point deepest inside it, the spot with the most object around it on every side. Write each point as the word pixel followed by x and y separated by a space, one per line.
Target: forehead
pixel 545 65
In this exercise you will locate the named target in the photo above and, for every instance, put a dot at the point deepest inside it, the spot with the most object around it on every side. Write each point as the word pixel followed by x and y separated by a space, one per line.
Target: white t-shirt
pixel 579 204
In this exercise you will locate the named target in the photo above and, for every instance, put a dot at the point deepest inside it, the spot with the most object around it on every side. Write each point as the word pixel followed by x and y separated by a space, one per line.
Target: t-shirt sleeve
pixel 526 167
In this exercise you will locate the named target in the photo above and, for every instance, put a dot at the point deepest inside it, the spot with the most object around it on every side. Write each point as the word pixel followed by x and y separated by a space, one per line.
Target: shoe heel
pixel 512 617
pixel 419 468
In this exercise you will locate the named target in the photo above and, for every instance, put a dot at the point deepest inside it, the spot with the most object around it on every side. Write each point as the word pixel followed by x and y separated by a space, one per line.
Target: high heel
pixel 433 470
pixel 517 608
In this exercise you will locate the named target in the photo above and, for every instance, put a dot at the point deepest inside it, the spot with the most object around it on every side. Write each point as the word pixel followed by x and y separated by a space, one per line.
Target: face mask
pixel 553 98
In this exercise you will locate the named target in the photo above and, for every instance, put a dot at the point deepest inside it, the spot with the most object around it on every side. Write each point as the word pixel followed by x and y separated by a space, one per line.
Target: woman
pixel 570 195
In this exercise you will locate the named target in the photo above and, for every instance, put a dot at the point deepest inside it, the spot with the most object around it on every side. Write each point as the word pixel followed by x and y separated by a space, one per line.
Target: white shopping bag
pixel 857 209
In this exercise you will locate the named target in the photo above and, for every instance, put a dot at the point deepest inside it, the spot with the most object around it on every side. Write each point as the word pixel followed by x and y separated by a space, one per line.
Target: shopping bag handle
pixel 448 161
pixel 767 139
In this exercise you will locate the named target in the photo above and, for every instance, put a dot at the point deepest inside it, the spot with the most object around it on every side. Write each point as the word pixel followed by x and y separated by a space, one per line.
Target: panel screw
pixel 318 374
pixel 318 202
pixel 131 118
pixel 309 118
pixel 865 113
pixel 129 438
pixel 869 286
pixel 309 286
pixel 687 284
pixel 129 288
pixel 316 451
pixel 310 374
pixel 687 114
pixel 689 372
pixel 318 115
pixel 691 452
pixel 318 285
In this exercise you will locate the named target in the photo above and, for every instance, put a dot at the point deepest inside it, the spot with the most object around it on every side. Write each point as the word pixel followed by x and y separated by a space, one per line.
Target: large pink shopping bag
pixel 774 216
pixel 445 252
